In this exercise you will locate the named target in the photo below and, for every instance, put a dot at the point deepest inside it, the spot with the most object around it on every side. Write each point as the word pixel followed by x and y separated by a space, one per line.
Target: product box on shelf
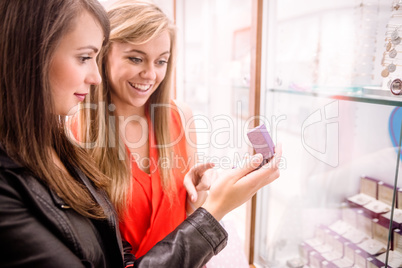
pixel 397 213
pixel 328 244
pixel 368 192
pixel 394 255
pixel 340 227
pixel 349 215
pixel 327 264
pixel 394 259
pixel 383 203
pixel 397 240
pixel 355 236
pixel 348 258
pixel 365 223
pixel 374 263
pixel 361 258
pixel 380 232
pixel 362 231
pixel 315 259
pixel 364 259
pixel 336 243
pixel 347 223
pixel 304 251
pixel 378 244
pixel 296 263
pixel 319 237
pixel 399 198
pixel 396 220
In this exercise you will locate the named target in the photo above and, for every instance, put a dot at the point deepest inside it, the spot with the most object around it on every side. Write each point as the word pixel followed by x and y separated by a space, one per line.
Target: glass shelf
pixel 374 95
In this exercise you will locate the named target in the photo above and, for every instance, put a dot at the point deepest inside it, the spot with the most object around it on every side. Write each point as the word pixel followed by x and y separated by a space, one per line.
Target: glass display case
pixel 331 85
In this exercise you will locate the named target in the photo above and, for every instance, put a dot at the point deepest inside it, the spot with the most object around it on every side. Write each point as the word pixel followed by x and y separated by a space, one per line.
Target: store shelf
pixel 372 95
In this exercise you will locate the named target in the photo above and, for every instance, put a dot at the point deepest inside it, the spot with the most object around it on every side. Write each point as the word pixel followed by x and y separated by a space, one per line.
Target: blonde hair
pixel 134 22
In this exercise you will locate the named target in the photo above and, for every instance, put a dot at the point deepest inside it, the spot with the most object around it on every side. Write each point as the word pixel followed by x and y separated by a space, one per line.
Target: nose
pixel 149 72
pixel 94 77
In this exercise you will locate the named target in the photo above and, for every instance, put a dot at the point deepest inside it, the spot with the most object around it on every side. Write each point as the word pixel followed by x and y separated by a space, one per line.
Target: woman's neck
pixel 127 111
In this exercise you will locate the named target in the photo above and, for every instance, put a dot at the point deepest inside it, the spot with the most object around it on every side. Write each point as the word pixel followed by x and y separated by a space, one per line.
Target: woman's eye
pixel 84 59
pixel 162 62
pixel 135 60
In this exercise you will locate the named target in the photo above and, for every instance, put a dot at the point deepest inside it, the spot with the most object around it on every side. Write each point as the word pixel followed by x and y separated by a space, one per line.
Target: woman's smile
pixel 142 88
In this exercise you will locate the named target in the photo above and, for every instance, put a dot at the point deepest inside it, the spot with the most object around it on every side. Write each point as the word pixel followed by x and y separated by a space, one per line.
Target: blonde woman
pixel 135 133
pixel 139 132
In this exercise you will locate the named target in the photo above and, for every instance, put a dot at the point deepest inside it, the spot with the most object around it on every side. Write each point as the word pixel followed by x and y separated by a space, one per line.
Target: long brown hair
pixel 30 31
pixel 135 22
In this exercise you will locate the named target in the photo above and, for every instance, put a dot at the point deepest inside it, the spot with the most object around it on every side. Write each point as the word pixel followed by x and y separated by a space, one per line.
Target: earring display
pixel 385 72
pixel 391 71
pixel 366 46
pixel 391 68
pixel 396 86
pixel 392 53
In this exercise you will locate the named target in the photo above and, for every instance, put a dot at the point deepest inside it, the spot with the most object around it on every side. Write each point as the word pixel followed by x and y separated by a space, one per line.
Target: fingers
pixel 265 175
pixel 193 178
pixel 207 179
pixel 249 165
pixel 199 169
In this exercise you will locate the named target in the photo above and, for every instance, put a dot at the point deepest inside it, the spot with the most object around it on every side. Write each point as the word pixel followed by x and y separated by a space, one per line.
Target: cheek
pixel 64 77
pixel 116 71
pixel 161 75
pixel 55 76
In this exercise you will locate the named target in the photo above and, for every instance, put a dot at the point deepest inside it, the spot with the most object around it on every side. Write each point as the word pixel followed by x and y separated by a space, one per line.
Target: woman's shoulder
pixel 183 110
pixel 181 105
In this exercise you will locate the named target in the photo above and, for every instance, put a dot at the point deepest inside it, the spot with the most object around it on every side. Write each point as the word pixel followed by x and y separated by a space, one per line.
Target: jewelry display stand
pixel 329 101
pixel 358 237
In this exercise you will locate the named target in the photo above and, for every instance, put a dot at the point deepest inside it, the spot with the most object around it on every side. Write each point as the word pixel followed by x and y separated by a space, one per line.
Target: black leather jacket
pixel 37 229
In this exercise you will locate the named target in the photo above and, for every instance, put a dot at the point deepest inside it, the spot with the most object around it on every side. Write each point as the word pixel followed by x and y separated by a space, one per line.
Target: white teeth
pixel 140 87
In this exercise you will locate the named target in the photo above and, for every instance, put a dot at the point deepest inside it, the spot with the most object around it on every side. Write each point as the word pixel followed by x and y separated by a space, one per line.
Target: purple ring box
pixel 262 142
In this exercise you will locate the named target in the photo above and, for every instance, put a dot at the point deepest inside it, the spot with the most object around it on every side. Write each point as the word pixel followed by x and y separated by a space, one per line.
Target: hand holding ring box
pixel 262 143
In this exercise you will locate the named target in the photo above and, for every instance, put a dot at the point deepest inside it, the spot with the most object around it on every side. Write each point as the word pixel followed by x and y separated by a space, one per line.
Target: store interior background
pixel 311 49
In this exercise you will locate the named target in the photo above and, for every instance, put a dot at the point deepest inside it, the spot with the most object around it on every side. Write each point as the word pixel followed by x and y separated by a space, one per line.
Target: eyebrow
pixel 142 52
pixel 95 49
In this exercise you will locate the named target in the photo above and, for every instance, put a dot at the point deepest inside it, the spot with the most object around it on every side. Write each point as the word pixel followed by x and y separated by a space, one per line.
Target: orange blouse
pixel 150 215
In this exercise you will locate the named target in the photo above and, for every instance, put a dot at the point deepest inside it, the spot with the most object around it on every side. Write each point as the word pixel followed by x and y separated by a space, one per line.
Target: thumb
pixel 249 165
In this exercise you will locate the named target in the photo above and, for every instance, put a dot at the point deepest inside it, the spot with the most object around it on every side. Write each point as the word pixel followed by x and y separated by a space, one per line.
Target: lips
pixel 141 87
pixel 80 97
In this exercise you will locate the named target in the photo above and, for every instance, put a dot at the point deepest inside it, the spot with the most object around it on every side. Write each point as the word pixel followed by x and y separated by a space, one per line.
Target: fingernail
pixel 192 198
